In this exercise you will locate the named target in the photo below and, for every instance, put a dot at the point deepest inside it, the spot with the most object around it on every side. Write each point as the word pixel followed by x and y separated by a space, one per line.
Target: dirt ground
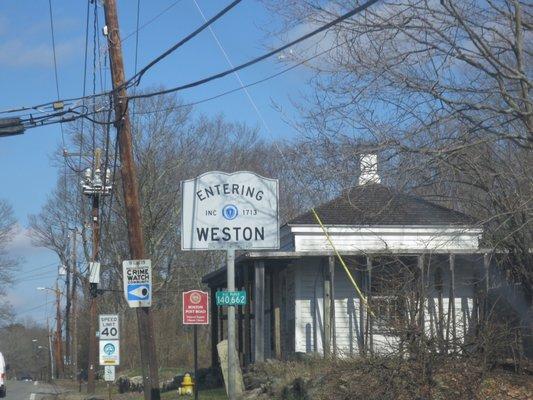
pixel 385 379
pixel 102 393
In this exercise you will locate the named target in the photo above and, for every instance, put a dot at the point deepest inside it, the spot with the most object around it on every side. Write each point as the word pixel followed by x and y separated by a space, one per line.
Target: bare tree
pixel 441 90
pixel 7 263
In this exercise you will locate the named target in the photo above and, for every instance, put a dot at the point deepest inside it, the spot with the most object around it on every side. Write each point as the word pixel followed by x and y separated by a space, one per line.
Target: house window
pixel 388 314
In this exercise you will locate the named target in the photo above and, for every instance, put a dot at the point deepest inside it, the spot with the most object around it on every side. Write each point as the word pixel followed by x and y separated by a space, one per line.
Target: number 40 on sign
pixel 108 326
pixel 227 298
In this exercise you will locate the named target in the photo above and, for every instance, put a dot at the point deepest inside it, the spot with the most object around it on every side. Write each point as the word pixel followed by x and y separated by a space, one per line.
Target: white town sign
pixel 229 211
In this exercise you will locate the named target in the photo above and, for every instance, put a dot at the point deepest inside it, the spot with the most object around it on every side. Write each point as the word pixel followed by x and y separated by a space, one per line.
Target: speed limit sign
pixel 108 327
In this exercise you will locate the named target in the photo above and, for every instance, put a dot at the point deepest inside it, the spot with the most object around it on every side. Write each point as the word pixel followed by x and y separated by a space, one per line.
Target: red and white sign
pixel 195 308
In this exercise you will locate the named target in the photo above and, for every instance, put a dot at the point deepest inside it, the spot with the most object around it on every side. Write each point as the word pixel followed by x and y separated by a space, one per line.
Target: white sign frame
pixel 109 373
pixel 222 211
pixel 139 271
pixel 111 323
pixel 94 272
pixel 107 358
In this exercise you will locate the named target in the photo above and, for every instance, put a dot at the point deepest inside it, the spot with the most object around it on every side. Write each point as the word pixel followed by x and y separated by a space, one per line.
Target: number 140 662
pixel 226 298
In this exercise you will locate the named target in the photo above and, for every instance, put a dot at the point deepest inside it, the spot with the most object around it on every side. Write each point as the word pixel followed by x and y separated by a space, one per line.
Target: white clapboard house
pixel 399 249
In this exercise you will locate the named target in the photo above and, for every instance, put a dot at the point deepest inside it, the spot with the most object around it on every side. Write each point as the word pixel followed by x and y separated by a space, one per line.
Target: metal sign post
pixel 195 312
pixel 109 376
pixel 237 211
pixel 195 362
pixel 230 265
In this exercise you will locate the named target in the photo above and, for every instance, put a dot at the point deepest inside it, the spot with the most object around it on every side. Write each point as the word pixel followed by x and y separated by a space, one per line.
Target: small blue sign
pixel 139 292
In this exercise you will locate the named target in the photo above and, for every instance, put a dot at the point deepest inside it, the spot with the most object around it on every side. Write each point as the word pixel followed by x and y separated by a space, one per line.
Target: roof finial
pixel 369 169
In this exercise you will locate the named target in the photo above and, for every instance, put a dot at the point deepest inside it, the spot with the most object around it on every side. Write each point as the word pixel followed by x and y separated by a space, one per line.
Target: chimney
pixel 369 169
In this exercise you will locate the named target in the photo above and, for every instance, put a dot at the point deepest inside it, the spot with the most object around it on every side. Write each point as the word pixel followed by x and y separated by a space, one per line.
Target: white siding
pixel 309 305
pixel 353 238
pixel 349 314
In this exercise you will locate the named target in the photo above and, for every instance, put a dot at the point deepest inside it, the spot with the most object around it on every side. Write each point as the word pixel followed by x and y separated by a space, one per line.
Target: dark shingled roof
pixel 374 204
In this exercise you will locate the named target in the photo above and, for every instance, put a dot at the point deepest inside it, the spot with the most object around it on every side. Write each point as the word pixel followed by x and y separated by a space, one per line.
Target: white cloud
pixel 17 53
pixel 21 245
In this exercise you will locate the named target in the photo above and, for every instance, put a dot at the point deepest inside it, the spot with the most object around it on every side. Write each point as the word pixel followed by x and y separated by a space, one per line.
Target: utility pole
pixel 59 339
pixel 74 311
pixel 50 349
pixel 68 319
pixel 131 197
pixel 94 187
pixel 93 292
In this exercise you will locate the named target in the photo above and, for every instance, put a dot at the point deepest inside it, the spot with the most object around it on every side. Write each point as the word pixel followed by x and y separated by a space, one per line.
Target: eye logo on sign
pixel 109 349
pixel 138 292
pixel 230 212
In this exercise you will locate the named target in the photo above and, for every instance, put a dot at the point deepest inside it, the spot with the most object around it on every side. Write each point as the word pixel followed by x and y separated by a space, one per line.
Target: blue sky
pixel 26 78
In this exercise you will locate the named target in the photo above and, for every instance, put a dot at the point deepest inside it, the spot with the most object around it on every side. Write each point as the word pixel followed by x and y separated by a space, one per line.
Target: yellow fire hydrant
pixel 187 386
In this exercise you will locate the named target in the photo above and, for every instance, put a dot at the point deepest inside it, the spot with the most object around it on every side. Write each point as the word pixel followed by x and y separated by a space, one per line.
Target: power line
pixel 269 54
pixel 53 45
pixel 40 267
pixel 36 307
pixel 226 56
pixel 137 34
pixel 137 77
pixel 139 28
pixel 262 80
pixel 55 64
pixel 334 22
pixel 265 79
pixel 95 34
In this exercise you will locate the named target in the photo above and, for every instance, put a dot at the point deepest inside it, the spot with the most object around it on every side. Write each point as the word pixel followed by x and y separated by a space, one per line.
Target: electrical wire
pixel 95 47
pixel 262 80
pixel 87 115
pixel 53 46
pixel 106 165
pixel 139 28
pixel 136 59
pixel 136 78
pixel 237 76
pixel 36 307
pixel 269 54
pixel 323 28
pixel 40 267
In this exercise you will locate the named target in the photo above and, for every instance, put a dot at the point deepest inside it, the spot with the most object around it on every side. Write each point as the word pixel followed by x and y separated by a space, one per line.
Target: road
pixel 18 390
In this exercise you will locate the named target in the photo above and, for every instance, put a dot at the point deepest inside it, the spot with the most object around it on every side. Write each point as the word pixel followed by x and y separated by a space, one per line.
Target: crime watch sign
pixel 229 211
pixel 137 278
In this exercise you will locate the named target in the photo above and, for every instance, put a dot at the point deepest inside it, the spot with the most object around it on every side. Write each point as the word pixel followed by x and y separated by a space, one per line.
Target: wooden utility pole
pixel 131 196
pixel 59 334
pixel 68 319
pixel 74 310
pixel 95 214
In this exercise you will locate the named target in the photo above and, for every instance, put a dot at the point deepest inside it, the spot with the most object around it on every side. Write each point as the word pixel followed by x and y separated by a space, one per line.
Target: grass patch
pixel 164 373
pixel 212 394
